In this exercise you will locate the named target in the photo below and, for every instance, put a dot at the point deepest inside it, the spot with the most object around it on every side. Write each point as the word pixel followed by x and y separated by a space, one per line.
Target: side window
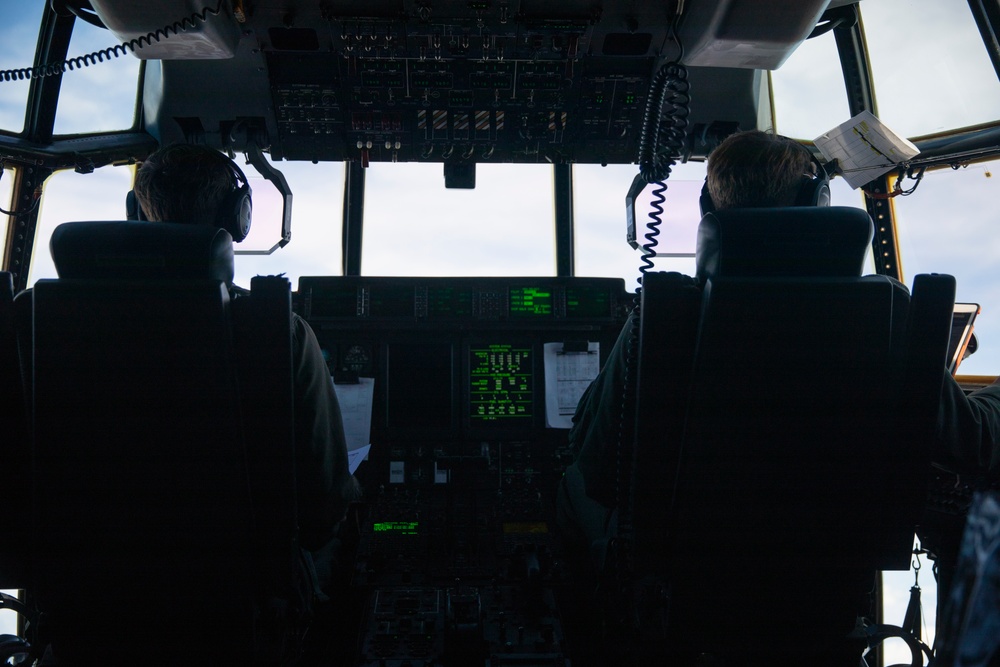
pixel 809 94
pixel 8 619
pixel 71 196
pixel 956 86
pixel 6 186
pixel 948 225
pixel 18 35
pixel 80 109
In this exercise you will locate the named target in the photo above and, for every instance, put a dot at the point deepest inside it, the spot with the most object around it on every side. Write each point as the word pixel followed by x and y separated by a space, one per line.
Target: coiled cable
pixel 131 46
pixel 663 138
pixel 665 121
pixel 661 143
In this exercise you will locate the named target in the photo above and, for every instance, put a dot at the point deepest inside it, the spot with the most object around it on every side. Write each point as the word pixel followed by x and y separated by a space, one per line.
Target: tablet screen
pixel 961 331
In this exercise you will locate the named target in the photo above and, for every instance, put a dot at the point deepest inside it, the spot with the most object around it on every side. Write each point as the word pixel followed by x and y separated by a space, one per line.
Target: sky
pixel 413 226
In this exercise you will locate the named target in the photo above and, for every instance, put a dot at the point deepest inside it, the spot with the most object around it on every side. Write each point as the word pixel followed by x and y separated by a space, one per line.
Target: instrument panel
pixel 458 559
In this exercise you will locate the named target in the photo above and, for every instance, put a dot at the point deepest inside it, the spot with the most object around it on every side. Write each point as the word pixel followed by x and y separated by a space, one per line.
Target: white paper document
pixel 356 411
pixel 356 456
pixel 864 148
pixel 567 376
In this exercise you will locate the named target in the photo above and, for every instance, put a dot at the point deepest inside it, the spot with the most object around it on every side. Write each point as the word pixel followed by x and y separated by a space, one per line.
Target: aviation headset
pixel 814 191
pixel 235 210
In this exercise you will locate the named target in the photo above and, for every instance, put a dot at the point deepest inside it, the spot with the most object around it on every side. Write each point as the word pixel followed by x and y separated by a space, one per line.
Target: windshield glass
pixel 949 225
pixel 932 72
pixel 413 226
pixel 18 35
pixel 315 245
pixel 599 215
pixel 80 110
pixel 317 205
pixel 810 97
pixel 6 188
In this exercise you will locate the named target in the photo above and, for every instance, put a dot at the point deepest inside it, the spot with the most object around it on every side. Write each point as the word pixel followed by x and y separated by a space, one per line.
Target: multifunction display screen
pixel 501 383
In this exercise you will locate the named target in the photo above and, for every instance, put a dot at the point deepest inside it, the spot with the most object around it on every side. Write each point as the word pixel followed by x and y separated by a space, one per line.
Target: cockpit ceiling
pixel 466 81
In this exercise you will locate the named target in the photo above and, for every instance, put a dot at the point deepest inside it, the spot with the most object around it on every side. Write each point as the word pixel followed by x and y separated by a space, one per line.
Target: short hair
pixel 757 169
pixel 184 183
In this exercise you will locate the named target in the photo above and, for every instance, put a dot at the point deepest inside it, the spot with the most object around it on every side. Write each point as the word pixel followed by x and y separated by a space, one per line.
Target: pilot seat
pixel 784 417
pixel 162 442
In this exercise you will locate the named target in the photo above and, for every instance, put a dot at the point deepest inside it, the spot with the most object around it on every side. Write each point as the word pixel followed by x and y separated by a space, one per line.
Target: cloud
pixel 931 69
pixel 808 90
pixel 18 33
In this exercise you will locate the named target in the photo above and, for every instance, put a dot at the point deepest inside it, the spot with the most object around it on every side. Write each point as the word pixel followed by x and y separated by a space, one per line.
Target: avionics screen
pixel 418 385
pixel 588 302
pixel 449 302
pixel 334 303
pixel 390 301
pixel 530 302
pixel 397 527
pixel 500 384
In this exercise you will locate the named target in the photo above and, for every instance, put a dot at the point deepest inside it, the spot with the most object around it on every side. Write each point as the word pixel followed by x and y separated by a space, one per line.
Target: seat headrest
pixel 800 241
pixel 142 250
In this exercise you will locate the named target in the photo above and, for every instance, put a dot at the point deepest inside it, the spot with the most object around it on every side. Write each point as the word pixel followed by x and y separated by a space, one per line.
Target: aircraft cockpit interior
pixel 475 206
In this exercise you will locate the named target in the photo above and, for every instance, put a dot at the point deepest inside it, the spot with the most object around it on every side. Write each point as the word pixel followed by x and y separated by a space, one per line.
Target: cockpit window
pixel 600 226
pixel 949 225
pixel 599 216
pixel 8 621
pixel 81 109
pixel 70 196
pixel 809 92
pixel 314 249
pixel 317 211
pixel 18 35
pixel 413 226
pixel 6 185
pixel 931 70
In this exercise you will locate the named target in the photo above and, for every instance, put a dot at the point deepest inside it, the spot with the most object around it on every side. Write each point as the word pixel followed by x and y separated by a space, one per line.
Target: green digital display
pixel 449 302
pixel 588 302
pixel 500 383
pixel 333 303
pixel 390 301
pixel 397 527
pixel 530 302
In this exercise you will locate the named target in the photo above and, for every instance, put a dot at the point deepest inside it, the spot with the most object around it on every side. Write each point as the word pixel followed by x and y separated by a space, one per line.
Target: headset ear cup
pixel 245 214
pixel 816 191
pixel 133 211
pixel 823 196
pixel 235 213
pixel 705 201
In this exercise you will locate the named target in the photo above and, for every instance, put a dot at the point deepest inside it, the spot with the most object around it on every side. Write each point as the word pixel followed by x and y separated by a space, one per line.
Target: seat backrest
pixel 144 442
pixel 14 453
pixel 791 242
pixel 785 483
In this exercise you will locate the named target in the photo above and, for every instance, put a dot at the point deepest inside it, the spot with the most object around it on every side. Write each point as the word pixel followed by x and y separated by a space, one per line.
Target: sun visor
pixel 173 29
pixel 746 34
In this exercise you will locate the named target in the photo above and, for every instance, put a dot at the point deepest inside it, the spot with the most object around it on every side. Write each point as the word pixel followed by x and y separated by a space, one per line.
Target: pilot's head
pixel 194 185
pixel 183 183
pixel 758 169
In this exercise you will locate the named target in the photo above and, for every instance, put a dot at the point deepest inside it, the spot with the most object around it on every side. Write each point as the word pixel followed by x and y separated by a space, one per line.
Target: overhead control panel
pixel 463 82
pixel 476 81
